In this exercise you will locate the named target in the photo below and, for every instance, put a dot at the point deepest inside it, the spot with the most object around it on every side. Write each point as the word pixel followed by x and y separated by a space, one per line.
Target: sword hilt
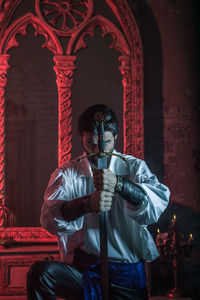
pixel 100 118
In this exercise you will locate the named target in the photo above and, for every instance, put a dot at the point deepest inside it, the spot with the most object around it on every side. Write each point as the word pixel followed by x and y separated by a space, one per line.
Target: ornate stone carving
pixel 127 41
pixel 19 27
pixel 7 264
pixel 3 79
pixel 29 234
pixel 12 264
pixel 7 8
pixel 128 103
pixel 64 69
pixel 133 129
pixel 64 17
pixel 128 44
pixel 133 99
pixel 108 28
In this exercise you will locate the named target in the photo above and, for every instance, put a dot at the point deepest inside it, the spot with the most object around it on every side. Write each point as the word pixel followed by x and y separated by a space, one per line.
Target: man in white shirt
pixel 76 194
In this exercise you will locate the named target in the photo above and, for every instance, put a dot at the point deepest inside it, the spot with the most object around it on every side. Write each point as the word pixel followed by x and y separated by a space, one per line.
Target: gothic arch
pixel 7 42
pixel 126 40
pixel 108 28
pixel 132 69
pixel 19 26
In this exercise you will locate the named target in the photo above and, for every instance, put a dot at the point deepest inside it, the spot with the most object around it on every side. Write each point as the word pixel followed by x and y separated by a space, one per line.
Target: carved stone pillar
pixel 132 117
pixel 128 104
pixel 5 216
pixel 3 79
pixel 64 69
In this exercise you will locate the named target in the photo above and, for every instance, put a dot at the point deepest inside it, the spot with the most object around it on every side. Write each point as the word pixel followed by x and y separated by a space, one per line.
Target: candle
pixel 190 238
pixel 173 221
pixel 158 238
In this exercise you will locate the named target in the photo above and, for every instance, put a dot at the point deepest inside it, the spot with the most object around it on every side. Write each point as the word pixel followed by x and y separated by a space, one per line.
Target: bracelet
pixel 86 204
pixel 119 184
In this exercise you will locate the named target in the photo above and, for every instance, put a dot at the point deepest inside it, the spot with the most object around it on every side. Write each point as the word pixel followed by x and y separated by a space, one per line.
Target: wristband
pixel 131 192
pixel 86 204
pixel 119 184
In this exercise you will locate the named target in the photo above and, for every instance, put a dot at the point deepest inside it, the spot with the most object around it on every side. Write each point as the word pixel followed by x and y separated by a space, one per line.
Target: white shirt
pixel 128 237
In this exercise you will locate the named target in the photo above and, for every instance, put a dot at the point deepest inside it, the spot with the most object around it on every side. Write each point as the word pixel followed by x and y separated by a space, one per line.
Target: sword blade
pixel 102 162
pixel 103 222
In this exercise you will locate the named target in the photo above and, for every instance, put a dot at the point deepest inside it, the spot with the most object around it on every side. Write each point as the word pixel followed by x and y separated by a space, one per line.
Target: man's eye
pixel 107 142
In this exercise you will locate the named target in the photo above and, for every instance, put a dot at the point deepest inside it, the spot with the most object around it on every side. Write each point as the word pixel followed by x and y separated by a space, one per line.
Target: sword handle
pixel 101 139
pixel 100 118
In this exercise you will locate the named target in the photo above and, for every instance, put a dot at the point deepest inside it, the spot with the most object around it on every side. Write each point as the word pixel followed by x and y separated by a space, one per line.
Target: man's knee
pixel 54 278
pixel 37 271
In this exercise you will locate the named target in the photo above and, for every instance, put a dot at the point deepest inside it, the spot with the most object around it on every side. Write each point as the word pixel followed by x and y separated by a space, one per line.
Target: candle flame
pixel 174 217
pixel 191 237
pixel 158 230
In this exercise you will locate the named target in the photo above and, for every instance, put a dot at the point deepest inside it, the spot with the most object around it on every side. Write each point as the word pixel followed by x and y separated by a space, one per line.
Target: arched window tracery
pixel 75 24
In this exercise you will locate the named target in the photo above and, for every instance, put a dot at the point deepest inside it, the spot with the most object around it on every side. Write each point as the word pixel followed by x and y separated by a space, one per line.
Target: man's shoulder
pixel 70 165
pixel 130 159
pixel 123 164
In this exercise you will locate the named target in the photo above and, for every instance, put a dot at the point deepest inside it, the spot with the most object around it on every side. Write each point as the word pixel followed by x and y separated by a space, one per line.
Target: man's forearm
pixel 76 208
pixel 130 191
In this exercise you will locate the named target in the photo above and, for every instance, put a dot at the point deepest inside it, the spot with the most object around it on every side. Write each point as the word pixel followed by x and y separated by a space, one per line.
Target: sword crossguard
pixel 102 154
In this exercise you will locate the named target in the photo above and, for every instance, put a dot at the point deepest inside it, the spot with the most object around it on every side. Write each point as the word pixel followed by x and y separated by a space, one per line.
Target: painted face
pixel 90 144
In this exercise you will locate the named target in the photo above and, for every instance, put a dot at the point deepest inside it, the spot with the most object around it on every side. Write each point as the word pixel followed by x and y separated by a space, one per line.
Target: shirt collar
pixel 83 166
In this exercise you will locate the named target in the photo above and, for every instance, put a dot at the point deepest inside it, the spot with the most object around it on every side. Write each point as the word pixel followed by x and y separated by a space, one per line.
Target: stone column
pixel 64 69
pixel 3 80
pixel 133 106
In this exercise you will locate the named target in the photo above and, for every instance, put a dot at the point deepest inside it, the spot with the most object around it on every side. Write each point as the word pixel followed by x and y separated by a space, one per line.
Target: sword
pixel 102 163
pixel 103 217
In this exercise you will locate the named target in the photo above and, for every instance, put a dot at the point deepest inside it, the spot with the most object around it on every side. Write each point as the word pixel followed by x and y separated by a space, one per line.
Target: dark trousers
pixel 47 280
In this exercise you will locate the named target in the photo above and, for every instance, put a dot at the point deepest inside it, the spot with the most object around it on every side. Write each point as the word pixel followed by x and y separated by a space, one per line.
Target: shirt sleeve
pixel 59 190
pixel 156 196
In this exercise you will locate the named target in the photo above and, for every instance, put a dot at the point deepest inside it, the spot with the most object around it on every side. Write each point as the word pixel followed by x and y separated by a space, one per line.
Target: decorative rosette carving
pixel 65 17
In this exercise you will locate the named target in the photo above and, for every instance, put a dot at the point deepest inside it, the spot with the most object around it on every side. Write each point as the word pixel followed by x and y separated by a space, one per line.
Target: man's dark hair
pixel 86 122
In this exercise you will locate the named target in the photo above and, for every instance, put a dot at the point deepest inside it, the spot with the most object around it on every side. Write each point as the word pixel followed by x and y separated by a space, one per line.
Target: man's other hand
pixel 101 201
pixel 104 180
